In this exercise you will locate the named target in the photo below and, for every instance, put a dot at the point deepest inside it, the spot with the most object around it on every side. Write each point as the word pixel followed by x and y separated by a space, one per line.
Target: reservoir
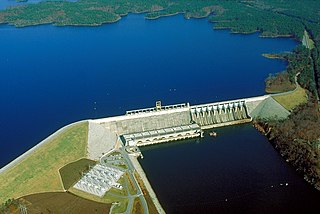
pixel 52 76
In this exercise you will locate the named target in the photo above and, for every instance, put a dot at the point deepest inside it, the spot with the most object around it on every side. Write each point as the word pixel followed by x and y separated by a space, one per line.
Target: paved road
pixel 131 169
pixel 130 197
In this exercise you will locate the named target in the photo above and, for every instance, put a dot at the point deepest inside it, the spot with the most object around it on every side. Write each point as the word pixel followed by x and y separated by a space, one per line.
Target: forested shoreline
pixel 297 138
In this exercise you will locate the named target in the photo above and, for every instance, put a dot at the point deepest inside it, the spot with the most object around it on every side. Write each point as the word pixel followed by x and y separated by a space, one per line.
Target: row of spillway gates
pixel 199 117
pixel 220 114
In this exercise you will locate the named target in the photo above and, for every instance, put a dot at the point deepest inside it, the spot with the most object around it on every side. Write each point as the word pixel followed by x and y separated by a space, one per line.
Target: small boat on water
pixel 212 134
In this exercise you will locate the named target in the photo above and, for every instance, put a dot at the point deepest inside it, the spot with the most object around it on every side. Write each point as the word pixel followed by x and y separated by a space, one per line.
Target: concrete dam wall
pixel 220 114
pixel 168 123
pixel 206 116
pixel 145 125
pixel 143 122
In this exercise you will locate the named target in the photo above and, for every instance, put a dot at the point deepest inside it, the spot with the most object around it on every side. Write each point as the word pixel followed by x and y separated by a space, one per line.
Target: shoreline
pixel 137 167
pixel 147 184
pixel 17 160
pixel 157 17
pixel 262 130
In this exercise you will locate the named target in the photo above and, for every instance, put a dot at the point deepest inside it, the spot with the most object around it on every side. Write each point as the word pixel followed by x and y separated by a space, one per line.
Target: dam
pixel 167 123
pixel 118 138
pixel 161 124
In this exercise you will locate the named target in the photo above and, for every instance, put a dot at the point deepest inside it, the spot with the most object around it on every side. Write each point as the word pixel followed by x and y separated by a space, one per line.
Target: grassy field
pixel 110 197
pixel 71 172
pixel 131 186
pixel 289 101
pixel 62 202
pixel 307 41
pixel 39 172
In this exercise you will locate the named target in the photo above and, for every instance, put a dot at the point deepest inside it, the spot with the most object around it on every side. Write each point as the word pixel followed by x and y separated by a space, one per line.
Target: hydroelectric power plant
pixel 175 122
pixel 115 141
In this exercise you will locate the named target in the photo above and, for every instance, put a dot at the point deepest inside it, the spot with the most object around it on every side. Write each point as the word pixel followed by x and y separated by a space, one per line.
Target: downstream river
pixel 237 172
pixel 51 76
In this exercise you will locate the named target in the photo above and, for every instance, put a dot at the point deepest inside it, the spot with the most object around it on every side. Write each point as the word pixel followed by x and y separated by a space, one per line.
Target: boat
pixel 212 134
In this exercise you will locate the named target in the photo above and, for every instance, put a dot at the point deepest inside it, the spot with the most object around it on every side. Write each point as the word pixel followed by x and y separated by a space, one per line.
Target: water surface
pixel 237 172
pixel 51 76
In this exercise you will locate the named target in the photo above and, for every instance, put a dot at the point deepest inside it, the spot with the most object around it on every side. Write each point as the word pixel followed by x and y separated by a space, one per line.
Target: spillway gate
pixel 220 114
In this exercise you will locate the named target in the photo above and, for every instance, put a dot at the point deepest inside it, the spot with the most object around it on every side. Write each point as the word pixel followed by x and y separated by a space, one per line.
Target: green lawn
pixel 39 172
pixel 290 101
pixel 307 41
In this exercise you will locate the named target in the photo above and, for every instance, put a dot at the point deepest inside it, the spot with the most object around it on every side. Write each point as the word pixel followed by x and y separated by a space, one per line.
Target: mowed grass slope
pixel 39 172
pixel 290 101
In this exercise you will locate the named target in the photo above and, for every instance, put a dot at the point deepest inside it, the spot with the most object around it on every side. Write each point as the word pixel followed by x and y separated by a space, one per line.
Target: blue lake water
pixel 51 76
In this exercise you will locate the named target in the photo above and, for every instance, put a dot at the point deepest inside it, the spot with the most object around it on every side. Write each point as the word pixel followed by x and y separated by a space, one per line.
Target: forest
pixel 298 139
pixel 270 17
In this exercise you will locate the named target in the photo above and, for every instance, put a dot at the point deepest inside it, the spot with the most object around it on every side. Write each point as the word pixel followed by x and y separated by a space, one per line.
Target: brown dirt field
pixel 62 202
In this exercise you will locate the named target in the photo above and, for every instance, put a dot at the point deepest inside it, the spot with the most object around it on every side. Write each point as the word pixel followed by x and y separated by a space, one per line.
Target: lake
pixel 51 76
